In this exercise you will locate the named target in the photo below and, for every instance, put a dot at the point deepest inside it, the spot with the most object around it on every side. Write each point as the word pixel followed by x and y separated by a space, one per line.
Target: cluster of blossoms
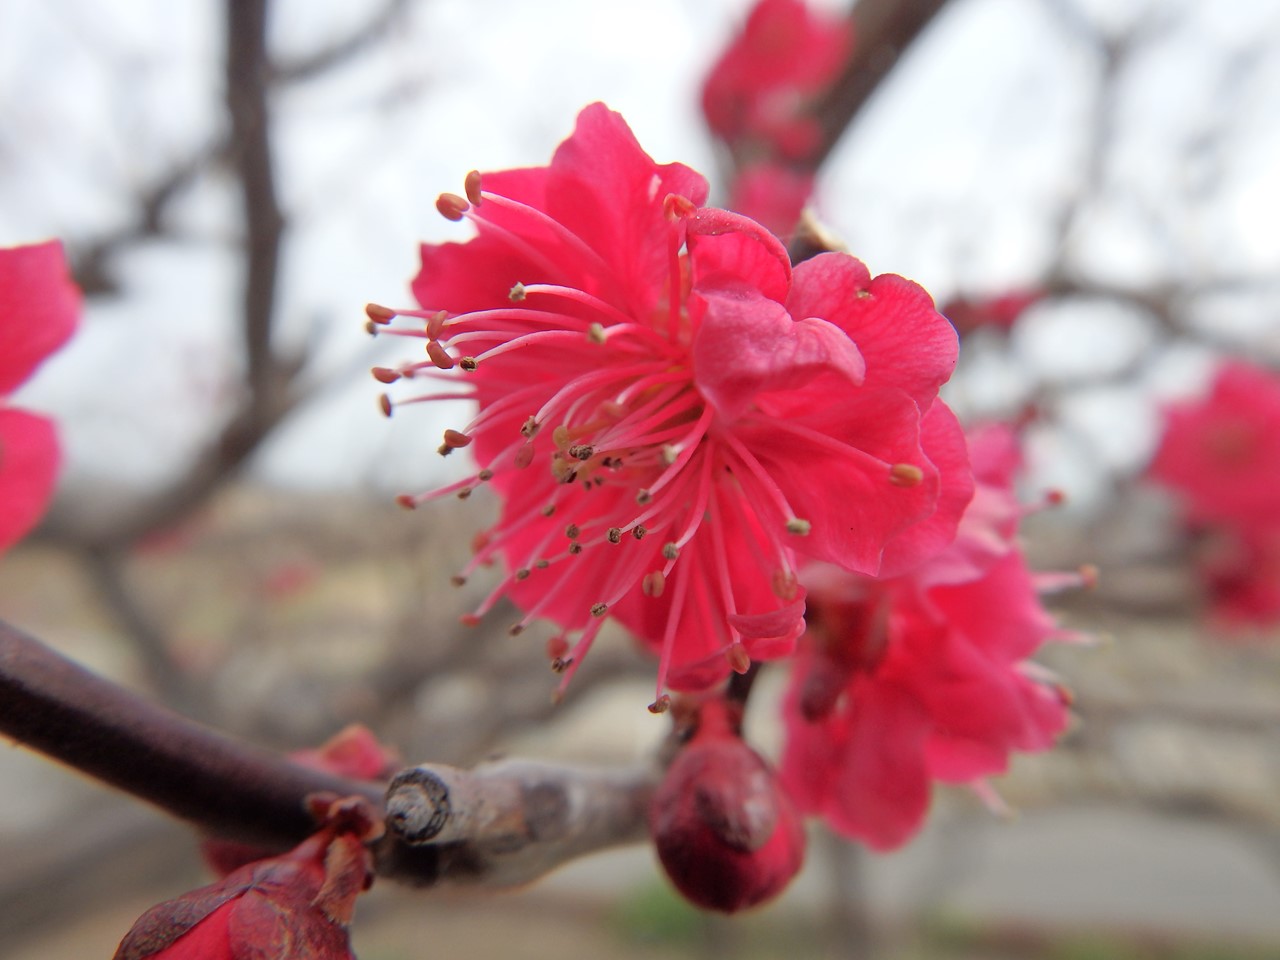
pixel 758 101
pixel 924 676
pixel 693 437
pixel 1221 454
pixel 39 307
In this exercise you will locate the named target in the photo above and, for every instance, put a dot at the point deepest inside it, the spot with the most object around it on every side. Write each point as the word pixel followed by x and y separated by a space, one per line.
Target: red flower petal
pixel 39 306
pixel 29 460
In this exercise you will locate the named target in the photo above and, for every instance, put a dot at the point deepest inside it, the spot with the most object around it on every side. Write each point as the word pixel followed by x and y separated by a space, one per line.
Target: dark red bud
pixel 725 831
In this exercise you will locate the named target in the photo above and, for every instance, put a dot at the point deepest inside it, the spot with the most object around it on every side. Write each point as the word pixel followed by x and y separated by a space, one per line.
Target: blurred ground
pixel 1154 831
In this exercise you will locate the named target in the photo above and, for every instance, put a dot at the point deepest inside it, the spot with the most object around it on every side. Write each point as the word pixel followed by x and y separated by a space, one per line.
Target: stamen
pixel 471 185
pixel 452 206
pixel 439 355
pixel 379 314
pixel 905 475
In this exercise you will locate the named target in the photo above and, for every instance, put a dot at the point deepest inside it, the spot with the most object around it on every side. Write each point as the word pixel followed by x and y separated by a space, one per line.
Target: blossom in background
pixel 990 313
pixel 758 100
pixel 670 413
pixel 923 676
pixel 39 307
pixel 297 904
pixel 723 827
pixel 758 95
pixel 1221 455
pixel 772 194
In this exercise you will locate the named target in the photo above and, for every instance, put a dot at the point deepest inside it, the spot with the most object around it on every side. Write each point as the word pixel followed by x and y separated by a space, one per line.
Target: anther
pixel 599 609
pixel 484 475
pixel 905 475
pixel 464 493
pixel 444 449
pixel 379 314
pixel 469 620
pixel 371 328
pixel 582 451
pixel 561 664
pixel 451 206
pixel 675 207
pixel 435 324
pixel 541 564
pixel 529 427
pixel 456 439
pixel 653 584
pixel 669 453
pixel 739 659
pixel 385 374
pixel 643 497
pixel 472 186
pixel 458 580
pixel 670 551
pixel 515 629
pixel 575 548
pixel 548 510
pixel 406 500
pixel 572 531
pixel 439 355
pixel 614 535
pixel 522 573
pixel 468 364
pixel 524 456
pixel 517 293
pixel 638 532
pixel 661 705
pixel 799 526
pixel 595 333
pixel 384 402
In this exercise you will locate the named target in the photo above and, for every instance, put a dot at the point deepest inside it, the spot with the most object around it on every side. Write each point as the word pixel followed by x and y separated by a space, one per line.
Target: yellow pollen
pixel 595 333
pixel 905 475
pixel 799 526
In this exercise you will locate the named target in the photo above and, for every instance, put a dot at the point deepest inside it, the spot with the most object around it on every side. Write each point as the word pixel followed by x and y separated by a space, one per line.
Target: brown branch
pixel 511 822
pixel 376 27
pixel 247 68
pixel 882 31
pixel 56 707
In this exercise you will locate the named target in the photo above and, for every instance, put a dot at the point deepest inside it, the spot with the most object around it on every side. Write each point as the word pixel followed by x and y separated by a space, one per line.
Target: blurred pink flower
pixel 993 313
pixel 1222 453
pixel 924 676
pixel 670 413
pixel 758 95
pixel 771 194
pixel 39 307
pixel 1240 572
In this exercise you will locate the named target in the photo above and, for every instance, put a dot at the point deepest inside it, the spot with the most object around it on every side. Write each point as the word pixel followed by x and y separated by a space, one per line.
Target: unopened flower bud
pixel 726 833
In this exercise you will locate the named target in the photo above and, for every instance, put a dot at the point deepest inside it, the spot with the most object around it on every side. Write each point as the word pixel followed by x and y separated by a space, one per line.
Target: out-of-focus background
pixel 224 536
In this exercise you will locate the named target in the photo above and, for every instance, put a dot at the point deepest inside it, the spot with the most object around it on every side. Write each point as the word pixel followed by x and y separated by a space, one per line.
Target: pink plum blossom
pixel 922 676
pixel 670 413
